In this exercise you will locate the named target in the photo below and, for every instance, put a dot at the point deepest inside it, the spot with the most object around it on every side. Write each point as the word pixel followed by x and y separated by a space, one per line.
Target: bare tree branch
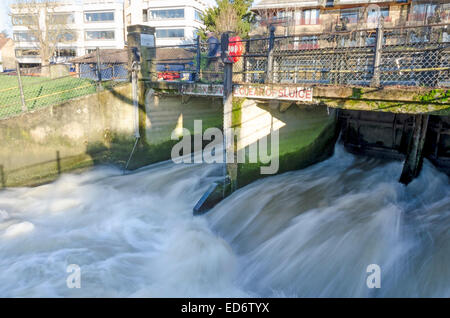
pixel 45 26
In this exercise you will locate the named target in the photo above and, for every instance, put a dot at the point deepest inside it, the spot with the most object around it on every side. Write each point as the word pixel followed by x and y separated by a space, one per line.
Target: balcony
pixel 423 18
pixel 303 21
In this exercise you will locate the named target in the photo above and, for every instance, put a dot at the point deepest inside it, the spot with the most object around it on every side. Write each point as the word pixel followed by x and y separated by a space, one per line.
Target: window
pixel 67 36
pixel 24 37
pixel 22 20
pixel 349 16
pixel 170 33
pixel 310 16
pixel 99 16
pixel 93 50
pixel 99 35
pixel 421 12
pixel 167 14
pixel 26 52
pixel 62 18
pixel 446 13
pixel 198 15
pixel 66 53
pixel 144 16
pixel 445 37
pixel 373 15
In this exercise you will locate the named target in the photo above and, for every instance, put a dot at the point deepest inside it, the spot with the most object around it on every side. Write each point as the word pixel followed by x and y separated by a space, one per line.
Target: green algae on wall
pixel 96 129
pixel 307 136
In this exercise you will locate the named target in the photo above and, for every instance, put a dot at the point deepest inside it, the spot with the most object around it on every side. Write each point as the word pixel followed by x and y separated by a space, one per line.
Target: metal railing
pixel 185 63
pixel 401 56
pixel 407 56
pixel 28 88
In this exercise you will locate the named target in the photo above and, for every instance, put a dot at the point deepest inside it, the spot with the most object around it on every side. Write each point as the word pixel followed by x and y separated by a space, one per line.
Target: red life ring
pixel 235 49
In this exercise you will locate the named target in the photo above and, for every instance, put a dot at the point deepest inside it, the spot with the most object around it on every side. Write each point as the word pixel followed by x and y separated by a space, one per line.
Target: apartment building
pixel 176 21
pixel 89 24
pixel 300 16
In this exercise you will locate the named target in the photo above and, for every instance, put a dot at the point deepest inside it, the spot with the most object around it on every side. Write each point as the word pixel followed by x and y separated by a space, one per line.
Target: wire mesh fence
pixel 409 56
pixel 29 88
pixel 186 63
pixel 416 57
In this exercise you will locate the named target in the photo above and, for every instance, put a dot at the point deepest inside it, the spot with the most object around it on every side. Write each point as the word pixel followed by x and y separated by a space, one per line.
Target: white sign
pixel 281 92
pixel 202 89
pixel 148 40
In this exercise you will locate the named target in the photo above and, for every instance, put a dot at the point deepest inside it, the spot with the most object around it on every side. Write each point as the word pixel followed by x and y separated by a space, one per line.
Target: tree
pixel 4 33
pixel 229 15
pixel 45 27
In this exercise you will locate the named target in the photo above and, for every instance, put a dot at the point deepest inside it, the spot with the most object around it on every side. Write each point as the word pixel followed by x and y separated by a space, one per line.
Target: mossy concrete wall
pixel 414 100
pixel 307 135
pixel 37 146
pixel 166 112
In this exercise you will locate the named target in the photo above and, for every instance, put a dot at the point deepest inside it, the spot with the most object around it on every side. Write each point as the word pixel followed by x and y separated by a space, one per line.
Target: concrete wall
pixel 307 135
pixel 167 112
pixel 74 132
pixel 95 129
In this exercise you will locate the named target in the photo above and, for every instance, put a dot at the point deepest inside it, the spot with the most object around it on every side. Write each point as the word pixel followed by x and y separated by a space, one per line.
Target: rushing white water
pixel 305 233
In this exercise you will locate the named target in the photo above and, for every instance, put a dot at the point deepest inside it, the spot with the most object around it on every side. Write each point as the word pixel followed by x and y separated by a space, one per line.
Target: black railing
pixel 402 56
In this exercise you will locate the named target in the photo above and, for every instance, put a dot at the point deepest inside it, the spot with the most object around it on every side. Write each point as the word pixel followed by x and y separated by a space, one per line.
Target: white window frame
pixel 100 11
pixel 150 14
pixel 87 39
pixel 175 37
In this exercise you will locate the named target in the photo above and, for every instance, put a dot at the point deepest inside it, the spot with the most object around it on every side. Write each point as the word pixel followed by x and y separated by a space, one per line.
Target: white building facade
pixel 93 23
pixel 176 21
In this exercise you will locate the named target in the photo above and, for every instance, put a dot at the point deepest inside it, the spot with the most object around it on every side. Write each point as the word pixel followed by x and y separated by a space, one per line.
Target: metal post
pixel 99 71
pixel 227 107
pixel 246 62
pixel 414 157
pixel 199 60
pixel 377 61
pixel 22 96
pixel 269 71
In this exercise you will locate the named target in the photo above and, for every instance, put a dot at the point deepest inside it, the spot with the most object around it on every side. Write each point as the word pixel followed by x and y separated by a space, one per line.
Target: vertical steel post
pixel 269 71
pixel 414 157
pixel 22 96
pixel 228 142
pixel 246 61
pixel 99 71
pixel 377 61
pixel 199 60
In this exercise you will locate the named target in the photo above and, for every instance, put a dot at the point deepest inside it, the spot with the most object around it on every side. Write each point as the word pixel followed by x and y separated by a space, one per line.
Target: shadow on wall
pixel 307 135
pixel 95 129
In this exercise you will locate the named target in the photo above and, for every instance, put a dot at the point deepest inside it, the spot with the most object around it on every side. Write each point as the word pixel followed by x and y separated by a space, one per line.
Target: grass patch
pixel 40 92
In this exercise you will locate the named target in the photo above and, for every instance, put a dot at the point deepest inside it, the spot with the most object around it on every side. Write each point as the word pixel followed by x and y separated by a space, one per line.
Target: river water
pixel 311 232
